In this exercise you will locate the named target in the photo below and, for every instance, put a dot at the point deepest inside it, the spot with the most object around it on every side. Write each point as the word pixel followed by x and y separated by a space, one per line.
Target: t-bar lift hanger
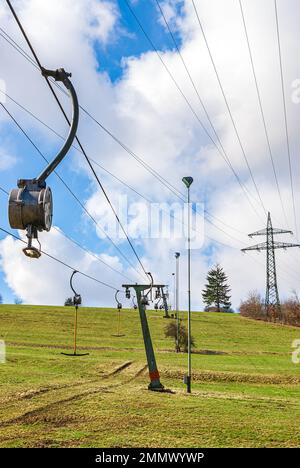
pixel 30 205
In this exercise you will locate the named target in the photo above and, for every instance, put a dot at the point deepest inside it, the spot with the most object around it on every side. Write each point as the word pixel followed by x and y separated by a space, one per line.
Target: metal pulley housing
pixel 77 300
pixel 30 204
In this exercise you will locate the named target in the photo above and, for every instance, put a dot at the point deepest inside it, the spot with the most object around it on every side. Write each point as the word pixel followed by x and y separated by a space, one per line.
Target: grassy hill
pixel 245 388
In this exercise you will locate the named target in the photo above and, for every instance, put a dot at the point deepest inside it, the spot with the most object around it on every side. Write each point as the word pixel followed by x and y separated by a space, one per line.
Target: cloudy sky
pixel 130 77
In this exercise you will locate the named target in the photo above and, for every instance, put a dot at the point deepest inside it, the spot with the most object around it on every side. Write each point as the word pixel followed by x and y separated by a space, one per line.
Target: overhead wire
pixel 104 169
pixel 117 178
pixel 225 158
pixel 61 261
pixel 229 108
pixel 77 139
pixel 262 110
pixel 285 116
pixel 20 49
pixel 68 188
pixel 146 166
pixel 62 233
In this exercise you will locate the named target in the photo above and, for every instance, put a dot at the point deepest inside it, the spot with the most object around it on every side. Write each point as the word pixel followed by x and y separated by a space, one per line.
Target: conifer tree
pixel 216 290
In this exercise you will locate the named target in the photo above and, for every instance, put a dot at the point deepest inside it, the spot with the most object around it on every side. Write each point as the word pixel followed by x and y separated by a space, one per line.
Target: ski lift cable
pixel 62 233
pixel 146 166
pixel 68 188
pixel 77 139
pixel 20 50
pixel 61 261
pixel 117 178
pixel 211 239
pixel 285 271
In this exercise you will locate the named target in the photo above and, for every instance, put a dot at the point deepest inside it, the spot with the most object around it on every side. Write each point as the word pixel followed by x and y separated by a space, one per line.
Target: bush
pixel 291 312
pixel 69 301
pixel 227 310
pixel 171 332
pixel 254 308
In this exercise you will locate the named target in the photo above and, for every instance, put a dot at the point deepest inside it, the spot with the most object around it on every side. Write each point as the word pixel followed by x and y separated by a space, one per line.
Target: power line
pixel 228 107
pixel 77 199
pixel 225 158
pixel 136 157
pixel 61 261
pixel 77 139
pixel 261 110
pixel 67 186
pixel 285 116
pixel 117 178
pixel 62 233
pixel 147 167
pixel 221 243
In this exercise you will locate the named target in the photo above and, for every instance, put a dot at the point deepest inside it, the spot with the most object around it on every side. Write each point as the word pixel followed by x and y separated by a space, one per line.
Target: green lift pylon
pixel 272 297
pixel 155 383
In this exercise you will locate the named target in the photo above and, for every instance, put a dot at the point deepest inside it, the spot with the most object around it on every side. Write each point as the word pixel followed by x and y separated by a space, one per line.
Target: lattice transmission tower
pixel 272 302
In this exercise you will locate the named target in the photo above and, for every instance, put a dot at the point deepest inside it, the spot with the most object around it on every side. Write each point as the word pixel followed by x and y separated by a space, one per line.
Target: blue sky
pixel 109 57
pixel 121 81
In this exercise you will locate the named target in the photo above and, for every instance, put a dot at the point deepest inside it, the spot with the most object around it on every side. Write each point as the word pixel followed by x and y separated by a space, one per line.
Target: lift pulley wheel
pixel 127 293
pixel 32 205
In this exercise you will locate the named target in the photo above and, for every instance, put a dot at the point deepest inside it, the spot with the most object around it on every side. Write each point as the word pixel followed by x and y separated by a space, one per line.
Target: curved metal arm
pixel 61 75
pixel 119 305
pixel 77 297
pixel 151 285
pixel 71 283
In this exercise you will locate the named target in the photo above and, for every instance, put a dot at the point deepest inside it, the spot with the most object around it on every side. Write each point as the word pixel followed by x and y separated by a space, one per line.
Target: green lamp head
pixel 187 181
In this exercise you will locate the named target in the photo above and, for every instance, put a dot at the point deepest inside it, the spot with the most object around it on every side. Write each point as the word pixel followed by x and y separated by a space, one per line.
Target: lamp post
pixel 174 291
pixel 177 255
pixel 188 182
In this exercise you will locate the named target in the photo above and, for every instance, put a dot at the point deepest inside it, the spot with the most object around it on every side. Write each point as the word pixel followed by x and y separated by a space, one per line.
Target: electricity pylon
pixel 272 301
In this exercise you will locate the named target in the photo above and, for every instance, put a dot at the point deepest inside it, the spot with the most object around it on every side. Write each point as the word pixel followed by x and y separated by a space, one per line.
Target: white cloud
pixel 7 161
pixel 44 281
pixel 146 111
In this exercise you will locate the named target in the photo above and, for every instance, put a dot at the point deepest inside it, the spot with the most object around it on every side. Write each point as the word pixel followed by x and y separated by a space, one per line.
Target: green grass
pixel 244 395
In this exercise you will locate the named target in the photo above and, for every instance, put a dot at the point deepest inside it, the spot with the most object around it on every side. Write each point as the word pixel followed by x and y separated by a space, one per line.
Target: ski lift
pixel 127 293
pixel 134 304
pixel 119 305
pixel 77 300
pixel 157 293
pixel 158 296
pixel 30 204
pixel 145 299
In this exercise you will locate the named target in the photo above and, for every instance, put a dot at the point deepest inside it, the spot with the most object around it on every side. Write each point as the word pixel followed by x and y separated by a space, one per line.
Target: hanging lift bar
pixel 77 300
pixel 30 205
